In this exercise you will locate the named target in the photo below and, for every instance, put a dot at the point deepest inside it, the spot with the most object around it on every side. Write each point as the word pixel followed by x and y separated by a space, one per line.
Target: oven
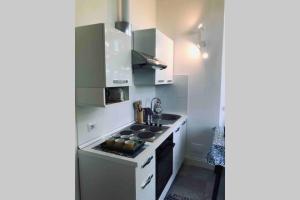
pixel 164 164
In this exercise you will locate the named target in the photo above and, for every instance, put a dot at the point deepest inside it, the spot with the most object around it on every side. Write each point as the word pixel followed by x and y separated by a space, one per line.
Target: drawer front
pixel 145 179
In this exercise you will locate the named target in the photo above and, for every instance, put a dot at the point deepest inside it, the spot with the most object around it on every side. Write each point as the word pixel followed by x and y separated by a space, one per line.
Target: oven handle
pixel 147 182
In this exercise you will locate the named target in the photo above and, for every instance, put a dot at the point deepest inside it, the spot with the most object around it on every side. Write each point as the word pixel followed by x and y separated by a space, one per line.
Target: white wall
pixel 111 117
pixel 95 11
pixel 179 19
pixel 222 100
pixel 143 14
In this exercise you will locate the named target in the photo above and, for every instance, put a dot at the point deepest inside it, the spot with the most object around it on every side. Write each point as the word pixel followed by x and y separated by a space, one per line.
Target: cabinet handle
pixel 120 81
pixel 148 181
pixel 147 162
pixel 183 123
pixel 161 81
pixel 169 81
pixel 177 129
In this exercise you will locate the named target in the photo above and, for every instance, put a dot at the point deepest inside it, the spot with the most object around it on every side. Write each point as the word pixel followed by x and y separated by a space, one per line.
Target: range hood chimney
pixel 123 17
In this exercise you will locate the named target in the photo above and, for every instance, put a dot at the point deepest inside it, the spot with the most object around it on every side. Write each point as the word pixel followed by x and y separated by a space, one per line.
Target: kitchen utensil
pixel 139 112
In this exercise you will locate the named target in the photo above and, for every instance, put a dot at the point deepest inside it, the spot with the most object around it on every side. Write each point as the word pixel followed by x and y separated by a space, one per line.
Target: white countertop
pixel 150 146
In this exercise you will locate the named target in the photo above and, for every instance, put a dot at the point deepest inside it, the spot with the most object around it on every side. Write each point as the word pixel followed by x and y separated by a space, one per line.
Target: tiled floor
pixel 194 183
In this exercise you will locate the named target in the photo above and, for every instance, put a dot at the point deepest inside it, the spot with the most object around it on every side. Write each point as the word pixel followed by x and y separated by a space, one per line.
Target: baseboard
pixel 198 163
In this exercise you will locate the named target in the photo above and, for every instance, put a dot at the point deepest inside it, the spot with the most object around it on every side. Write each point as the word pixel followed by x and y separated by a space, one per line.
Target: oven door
pixel 164 164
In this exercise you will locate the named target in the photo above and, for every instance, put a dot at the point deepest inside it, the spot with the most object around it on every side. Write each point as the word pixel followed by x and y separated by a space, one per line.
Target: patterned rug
pixel 176 197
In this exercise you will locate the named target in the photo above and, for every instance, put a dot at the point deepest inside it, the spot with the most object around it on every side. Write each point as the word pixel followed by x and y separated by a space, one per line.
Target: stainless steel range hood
pixel 142 60
pixel 139 59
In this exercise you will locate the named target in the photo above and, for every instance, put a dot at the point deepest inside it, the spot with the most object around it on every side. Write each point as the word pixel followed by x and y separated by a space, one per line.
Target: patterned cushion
pixel 216 155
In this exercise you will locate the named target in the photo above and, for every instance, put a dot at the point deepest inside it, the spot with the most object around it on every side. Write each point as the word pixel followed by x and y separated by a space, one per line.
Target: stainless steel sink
pixel 166 119
pixel 165 116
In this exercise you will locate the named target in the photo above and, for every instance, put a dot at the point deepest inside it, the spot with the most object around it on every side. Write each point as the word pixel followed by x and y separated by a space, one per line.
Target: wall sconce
pixel 202 45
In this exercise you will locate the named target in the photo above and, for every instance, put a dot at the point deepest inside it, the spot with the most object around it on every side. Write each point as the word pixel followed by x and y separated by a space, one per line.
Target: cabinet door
pixel 169 60
pixel 145 179
pixel 164 53
pixel 183 142
pixel 117 58
pixel 177 149
pixel 90 56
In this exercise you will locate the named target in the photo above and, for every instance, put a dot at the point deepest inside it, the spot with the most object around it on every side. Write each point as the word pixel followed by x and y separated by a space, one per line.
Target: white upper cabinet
pixel 117 58
pixel 164 52
pixel 103 62
pixel 154 43
pixel 103 57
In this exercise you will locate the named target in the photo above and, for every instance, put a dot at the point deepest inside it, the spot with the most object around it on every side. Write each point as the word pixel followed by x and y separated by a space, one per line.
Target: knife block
pixel 139 116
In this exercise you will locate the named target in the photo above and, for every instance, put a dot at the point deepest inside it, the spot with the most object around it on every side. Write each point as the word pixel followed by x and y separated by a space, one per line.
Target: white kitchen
pixel 150 104
pixel 125 100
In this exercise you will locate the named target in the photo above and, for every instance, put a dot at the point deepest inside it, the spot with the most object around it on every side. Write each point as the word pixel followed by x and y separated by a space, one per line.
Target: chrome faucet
pixel 156 110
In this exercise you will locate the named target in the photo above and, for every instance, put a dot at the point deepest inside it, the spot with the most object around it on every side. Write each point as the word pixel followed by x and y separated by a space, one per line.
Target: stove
pixel 138 127
pixel 146 135
pixel 145 132
pixel 131 140
pixel 126 132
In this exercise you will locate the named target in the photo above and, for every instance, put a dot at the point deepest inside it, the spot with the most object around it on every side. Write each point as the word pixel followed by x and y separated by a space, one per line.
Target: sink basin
pixel 169 117
pixel 166 119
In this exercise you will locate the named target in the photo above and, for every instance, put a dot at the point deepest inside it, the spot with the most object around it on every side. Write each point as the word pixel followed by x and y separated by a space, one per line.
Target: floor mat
pixel 177 197
pixel 192 183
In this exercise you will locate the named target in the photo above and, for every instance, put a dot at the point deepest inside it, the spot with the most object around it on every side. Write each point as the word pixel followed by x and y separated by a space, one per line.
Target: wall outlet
pixel 91 126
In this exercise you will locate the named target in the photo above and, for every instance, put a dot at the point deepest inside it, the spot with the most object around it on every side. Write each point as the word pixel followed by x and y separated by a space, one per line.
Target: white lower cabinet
pixel 110 180
pixel 145 179
pixel 176 151
pixel 180 145
pixel 183 142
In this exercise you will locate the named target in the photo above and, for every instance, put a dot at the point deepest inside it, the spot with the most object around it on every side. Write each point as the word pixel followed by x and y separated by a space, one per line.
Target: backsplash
pixel 111 117
pixel 114 116
pixel 174 97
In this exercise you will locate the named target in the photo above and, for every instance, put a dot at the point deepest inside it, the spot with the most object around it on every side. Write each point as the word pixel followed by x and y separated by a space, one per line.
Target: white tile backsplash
pixel 174 97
